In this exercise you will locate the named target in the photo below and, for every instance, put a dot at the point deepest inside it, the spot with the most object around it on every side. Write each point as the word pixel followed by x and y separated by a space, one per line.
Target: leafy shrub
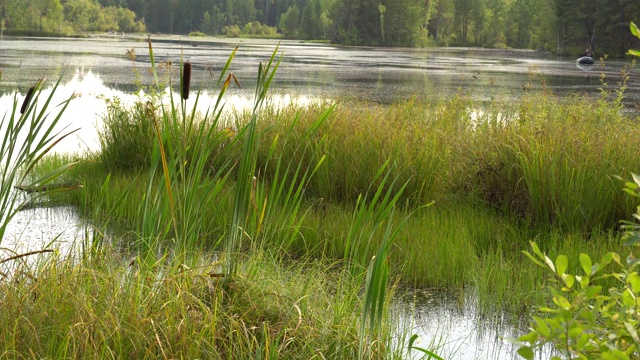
pixel 196 34
pixel 588 322
pixel 257 29
pixel 232 31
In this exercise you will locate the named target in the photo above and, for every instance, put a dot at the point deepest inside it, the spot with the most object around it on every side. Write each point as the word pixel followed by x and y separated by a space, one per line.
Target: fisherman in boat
pixel 586 58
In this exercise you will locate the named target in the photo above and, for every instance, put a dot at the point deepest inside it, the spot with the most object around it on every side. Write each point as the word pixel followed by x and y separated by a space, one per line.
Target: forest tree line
pixel 559 26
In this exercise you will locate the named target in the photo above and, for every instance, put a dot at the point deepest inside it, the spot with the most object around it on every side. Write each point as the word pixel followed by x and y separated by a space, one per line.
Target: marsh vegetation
pixel 282 232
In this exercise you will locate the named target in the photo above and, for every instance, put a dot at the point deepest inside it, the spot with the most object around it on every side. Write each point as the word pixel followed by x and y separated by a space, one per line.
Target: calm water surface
pixel 99 68
pixel 379 74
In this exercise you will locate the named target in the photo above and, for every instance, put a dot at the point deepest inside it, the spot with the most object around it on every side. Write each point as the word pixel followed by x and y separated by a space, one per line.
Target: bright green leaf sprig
pixel 586 321
pixel 636 32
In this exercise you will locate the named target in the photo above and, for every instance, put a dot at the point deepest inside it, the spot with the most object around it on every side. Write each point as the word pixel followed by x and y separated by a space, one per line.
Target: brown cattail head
pixel 186 80
pixel 27 99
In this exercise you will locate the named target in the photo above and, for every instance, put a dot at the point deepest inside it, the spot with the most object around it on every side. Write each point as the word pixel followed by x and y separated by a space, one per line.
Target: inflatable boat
pixel 585 60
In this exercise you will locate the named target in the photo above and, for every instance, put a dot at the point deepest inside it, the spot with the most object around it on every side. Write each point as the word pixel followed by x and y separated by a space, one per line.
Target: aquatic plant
pixel 29 135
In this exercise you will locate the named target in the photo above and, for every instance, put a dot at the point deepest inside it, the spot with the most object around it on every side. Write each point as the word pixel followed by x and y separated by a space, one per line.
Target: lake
pixel 97 68
pixel 377 74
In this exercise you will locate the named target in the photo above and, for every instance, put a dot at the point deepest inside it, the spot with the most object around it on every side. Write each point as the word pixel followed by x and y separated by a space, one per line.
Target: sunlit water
pixel 452 328
pixel 40 229
pixel 94 69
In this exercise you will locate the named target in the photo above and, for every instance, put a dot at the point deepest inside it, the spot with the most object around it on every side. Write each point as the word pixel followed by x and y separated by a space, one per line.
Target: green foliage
pixel 53 16
pixel 274 311
pixel 636 32
pixel 127 139
pixel 587 321
pixel 28 136
pixel 290 22
pixel 559 26
pixel 232 31
pixel 247 167
pixel 255 29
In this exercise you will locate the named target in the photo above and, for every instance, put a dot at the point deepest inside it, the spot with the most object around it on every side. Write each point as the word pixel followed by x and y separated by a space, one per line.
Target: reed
pixel 27 137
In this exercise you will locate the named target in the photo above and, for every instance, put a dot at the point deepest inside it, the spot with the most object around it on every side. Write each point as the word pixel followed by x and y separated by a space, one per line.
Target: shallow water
pixel 450 325
pixel 40 229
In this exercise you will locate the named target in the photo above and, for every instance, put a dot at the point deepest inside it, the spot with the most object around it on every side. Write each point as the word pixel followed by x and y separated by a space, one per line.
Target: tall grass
pixel 523 158
pixel 28 135
pixel 500 175
pixel 107 310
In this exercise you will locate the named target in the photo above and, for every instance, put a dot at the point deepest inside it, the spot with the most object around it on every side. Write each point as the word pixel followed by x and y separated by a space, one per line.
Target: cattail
pixel 27 98
pixel 186 80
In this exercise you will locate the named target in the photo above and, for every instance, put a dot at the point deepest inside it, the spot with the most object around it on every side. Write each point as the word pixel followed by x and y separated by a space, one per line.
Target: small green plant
pixel 588 321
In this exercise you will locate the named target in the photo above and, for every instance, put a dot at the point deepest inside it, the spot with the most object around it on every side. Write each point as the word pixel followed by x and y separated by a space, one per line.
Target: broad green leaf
pixel 543 328
pixel 582 280
pixel 526 352
pixel 628 298
pixel 589 316
pixel 562 262
pixel 582 341
pixel 635 31
pixel 575 332
pixel 634 280
pixel 616 258
pixel 631 239
pixel 627 190
pixel 606 260
pixel 568 280
pixel 631 185
pixel 614 355
pixel 592 291
pixel 562 302
pixel 530 337
pixel 566 315
pixel 585 262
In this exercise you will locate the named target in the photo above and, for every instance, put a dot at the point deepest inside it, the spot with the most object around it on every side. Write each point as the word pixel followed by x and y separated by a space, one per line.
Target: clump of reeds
pixel 20 154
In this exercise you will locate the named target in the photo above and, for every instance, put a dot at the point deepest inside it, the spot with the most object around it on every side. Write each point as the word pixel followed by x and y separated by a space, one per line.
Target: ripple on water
pixel 453 328
pixel 41 228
